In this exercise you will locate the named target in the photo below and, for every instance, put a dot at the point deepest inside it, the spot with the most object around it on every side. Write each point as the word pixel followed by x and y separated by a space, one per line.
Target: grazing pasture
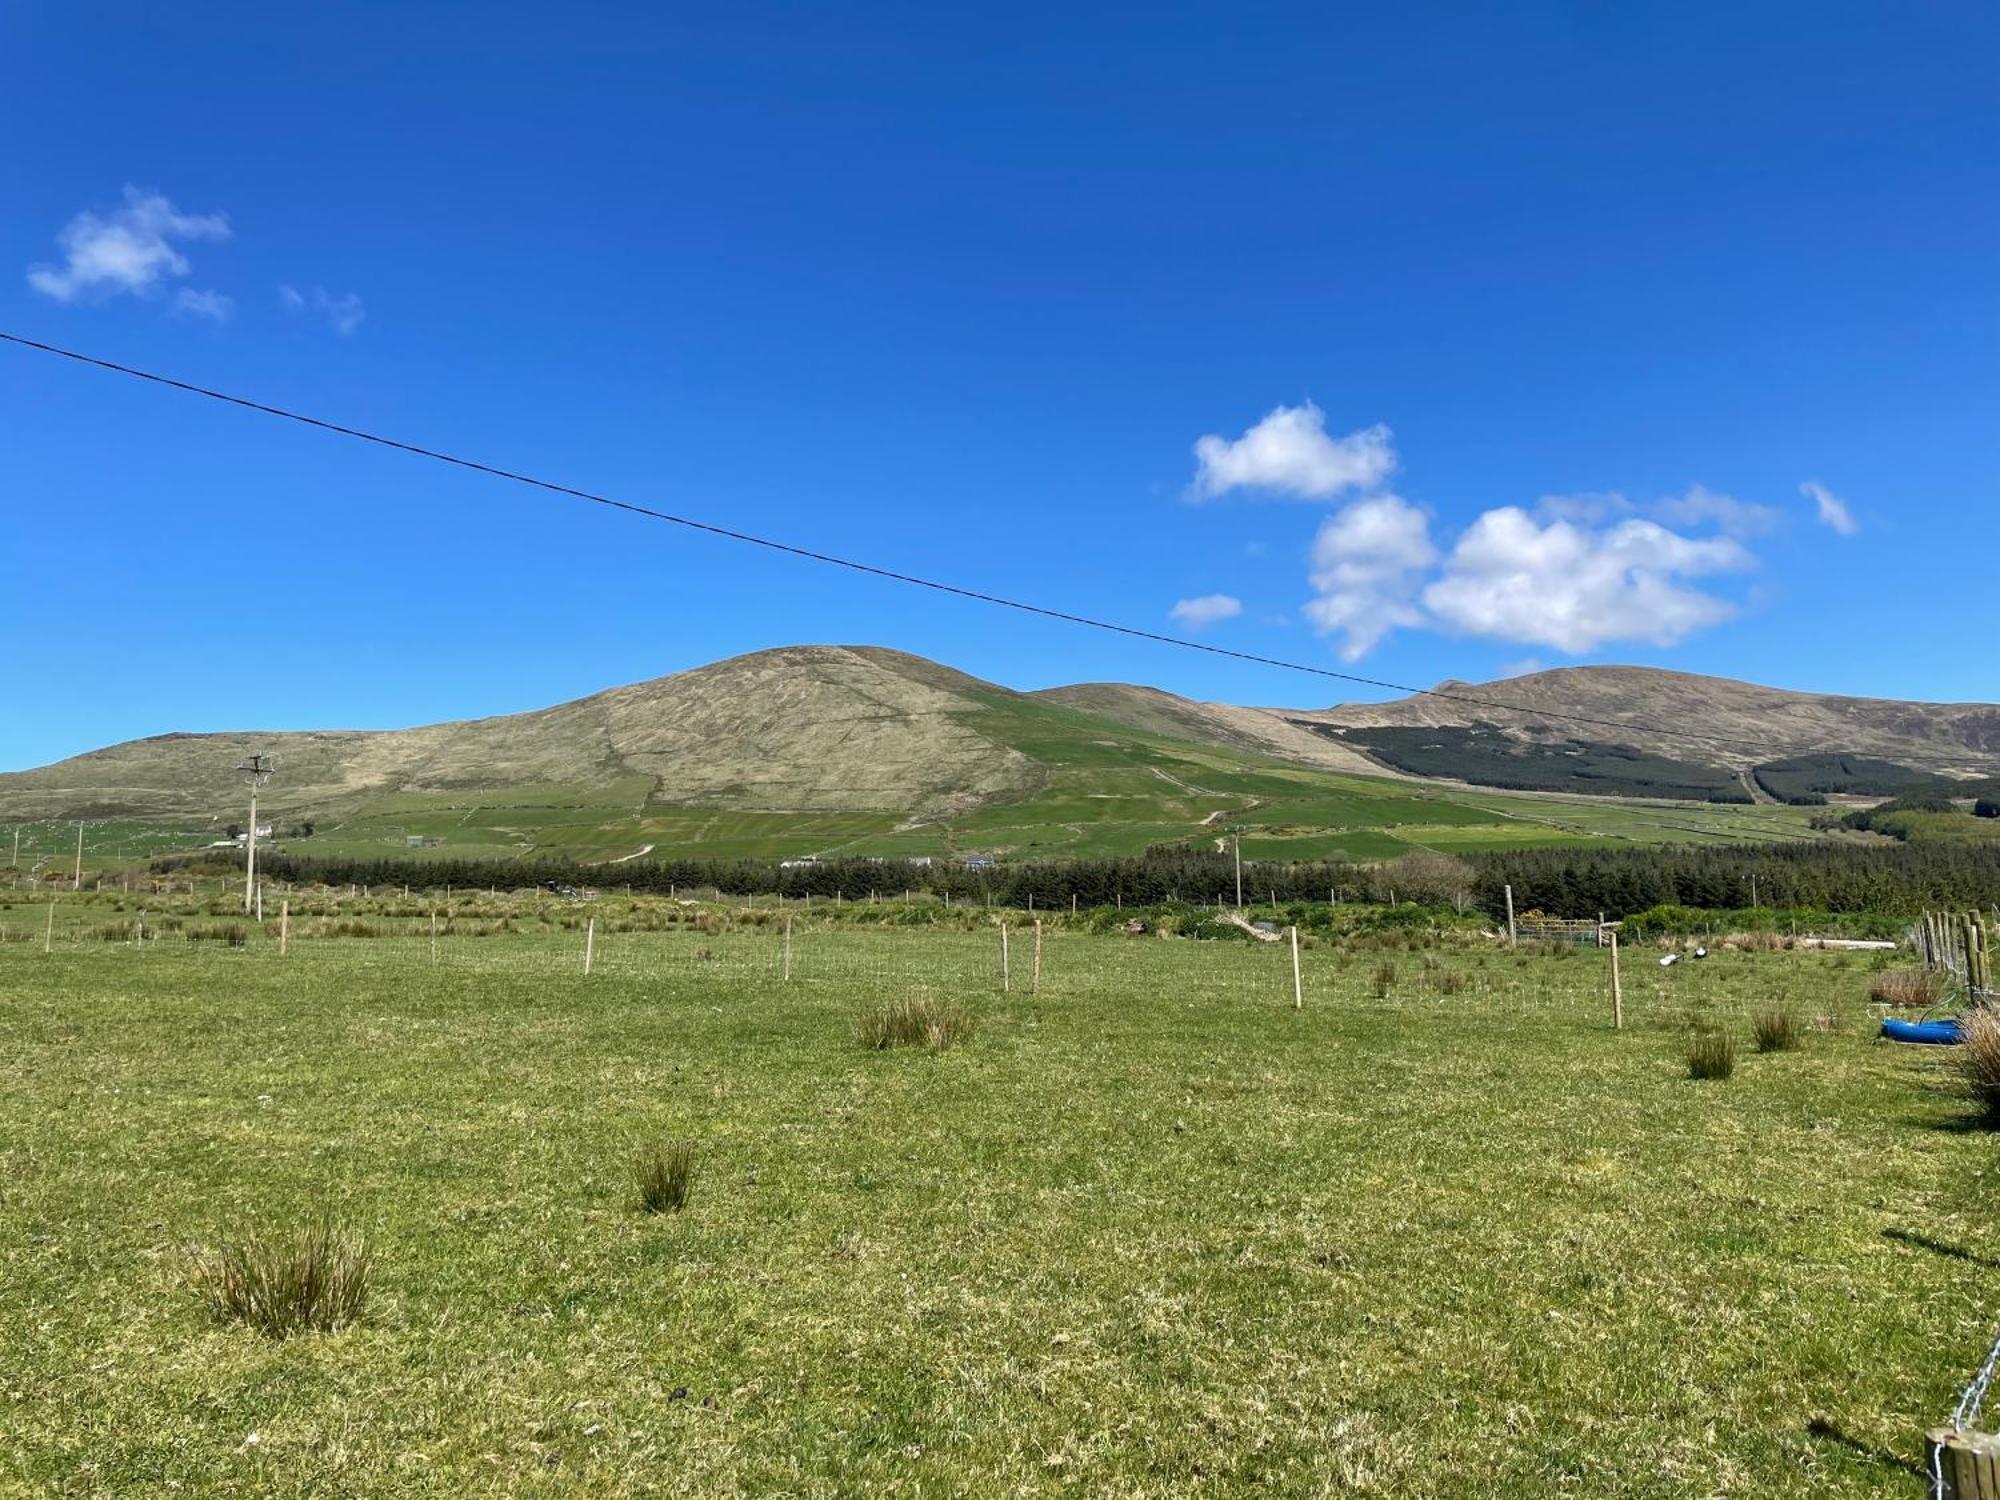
pixel 1150 1231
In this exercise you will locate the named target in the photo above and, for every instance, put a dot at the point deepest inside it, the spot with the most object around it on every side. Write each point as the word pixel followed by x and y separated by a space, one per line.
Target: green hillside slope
pixel 814 751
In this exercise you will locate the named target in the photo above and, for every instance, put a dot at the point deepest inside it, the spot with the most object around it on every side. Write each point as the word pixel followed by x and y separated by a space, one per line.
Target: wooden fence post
pixel 1510 916
pixel 589 942
pixel 1036 988
pixel 49 932
pixel 1617 990
pixel 788 947
pixel 284 926
pixel 434 935
pixel 1006 979
pixel 1298 991
pixel 1968 1461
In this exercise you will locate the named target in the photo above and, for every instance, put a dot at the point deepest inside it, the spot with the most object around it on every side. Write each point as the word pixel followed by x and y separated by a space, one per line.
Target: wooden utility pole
pixel 1298 989
pixel 1510 916
pixel 1617 990
pixel 256 769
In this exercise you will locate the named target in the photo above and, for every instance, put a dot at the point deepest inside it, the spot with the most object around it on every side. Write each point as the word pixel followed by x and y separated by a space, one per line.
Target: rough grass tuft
pixel 1979 1060
pixel 664 1171
pixel 1711 1054
pixel 919 1019
pixel 1776 1030
pixel 315 1281
pixel 1906 989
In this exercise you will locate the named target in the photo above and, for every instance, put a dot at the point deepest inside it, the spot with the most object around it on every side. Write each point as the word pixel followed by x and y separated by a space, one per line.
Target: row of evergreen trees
pixel 1576 882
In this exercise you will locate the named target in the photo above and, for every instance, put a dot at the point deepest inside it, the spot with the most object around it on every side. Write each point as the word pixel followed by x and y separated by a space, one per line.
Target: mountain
pixel 801 728
pixel 1711 719
pixel 858 750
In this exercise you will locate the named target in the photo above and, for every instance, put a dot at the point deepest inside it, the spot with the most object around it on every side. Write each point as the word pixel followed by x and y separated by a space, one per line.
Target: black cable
pixel 842 562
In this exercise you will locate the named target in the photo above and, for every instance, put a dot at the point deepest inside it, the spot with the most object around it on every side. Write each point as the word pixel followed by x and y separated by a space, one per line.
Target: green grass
pixel 1148 1232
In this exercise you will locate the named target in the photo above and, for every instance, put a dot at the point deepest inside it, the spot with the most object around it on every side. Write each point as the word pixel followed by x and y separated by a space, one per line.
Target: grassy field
pixel 1149 1232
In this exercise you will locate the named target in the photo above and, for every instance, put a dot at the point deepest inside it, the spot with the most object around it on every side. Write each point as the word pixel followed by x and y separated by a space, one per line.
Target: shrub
pixel 1776 1029
pixel 1979 1060
pixel 664 1171
pixel 316 1281
pixel 1912 989
pixel 1711 1054
pixel 917 1020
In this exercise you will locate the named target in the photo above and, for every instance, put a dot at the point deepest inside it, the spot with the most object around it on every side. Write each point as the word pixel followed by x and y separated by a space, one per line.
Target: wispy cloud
pixel 1289 454
pixel 1701 506
pixel 1209 609
pixel 1697 506
pixel 1834 512
pixel 344 312
pixel 200 304
pixel 130 250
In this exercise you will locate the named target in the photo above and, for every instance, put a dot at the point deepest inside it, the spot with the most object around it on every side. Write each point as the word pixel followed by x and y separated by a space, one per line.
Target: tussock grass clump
pixel 919 1019
pixel 1711 1054
pixel 1385 980
pixel 1979 1060
pixel 664 1171
pixel 1909 989
pixel 312 1282
pixel 1777 1029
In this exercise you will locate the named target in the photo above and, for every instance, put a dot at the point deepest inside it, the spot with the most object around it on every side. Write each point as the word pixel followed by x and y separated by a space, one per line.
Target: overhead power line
pixel 871 569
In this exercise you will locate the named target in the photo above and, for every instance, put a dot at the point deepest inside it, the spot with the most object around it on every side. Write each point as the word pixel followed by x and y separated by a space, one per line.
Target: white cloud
pixel 204 304
pixel 1290 454
pixel 1524 667
pixel 345 312
pixel 1209 609
pixel 1833 511
pixel 1576 588
pixel 131 249
pixel 1704 507
pixel 1366 564
pixel 1513 577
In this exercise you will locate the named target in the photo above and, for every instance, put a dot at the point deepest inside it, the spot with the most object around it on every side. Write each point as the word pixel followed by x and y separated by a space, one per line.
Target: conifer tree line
pixel 1896 879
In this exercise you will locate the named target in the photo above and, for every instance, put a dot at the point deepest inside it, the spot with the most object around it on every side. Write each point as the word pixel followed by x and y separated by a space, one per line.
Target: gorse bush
pixel 316 1281
pixel 1776 1030
pixel 917 1020
pixel 1979 1060
pixel 1710 1054
pixel 664 1171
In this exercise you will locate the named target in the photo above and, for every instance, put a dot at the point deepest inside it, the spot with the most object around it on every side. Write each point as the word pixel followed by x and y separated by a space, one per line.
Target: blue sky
pixel 1508 335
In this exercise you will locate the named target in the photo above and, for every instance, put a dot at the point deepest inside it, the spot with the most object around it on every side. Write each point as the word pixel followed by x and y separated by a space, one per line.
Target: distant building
pixel 419 841
pixel 797 864
pixel 979 861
